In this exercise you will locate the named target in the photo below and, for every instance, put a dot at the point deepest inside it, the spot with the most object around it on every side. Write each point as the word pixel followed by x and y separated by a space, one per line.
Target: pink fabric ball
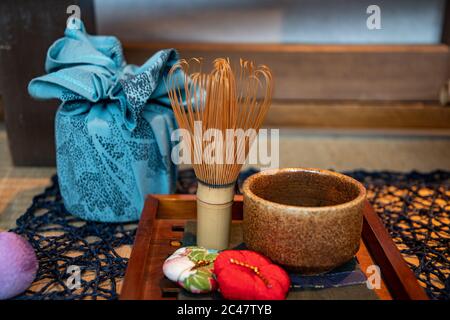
pixel 18 265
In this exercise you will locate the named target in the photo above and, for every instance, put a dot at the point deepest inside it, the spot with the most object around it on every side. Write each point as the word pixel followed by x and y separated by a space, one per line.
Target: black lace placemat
pixel 414 207
pixel 61 240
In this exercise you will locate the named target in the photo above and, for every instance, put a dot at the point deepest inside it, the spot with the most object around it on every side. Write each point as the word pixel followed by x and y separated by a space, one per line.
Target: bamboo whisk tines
pixel 224 100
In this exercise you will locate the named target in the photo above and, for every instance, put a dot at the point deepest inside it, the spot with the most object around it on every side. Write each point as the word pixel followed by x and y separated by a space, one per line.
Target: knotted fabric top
pixel 80 66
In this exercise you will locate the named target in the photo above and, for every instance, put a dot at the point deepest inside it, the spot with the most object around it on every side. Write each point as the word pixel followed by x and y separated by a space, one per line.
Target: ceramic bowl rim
pixel 358 199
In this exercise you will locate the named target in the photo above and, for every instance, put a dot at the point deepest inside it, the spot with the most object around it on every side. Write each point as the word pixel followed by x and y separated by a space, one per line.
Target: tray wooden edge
pixel 135 272
pixel 397 275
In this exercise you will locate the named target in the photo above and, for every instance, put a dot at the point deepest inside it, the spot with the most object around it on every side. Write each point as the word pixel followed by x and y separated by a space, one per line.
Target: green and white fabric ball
pixel 192 268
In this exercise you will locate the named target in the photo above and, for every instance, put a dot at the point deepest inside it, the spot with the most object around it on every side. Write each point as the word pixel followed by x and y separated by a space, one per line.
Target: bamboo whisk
pixel 222 112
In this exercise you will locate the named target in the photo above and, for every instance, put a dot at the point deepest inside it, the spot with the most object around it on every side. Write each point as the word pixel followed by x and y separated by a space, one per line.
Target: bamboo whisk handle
pixel 214 206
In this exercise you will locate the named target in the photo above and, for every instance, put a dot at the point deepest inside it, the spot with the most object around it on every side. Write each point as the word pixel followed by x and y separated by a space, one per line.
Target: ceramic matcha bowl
pixel 308 220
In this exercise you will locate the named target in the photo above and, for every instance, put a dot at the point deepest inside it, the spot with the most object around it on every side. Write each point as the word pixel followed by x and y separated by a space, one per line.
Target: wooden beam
pixel 363 115
pixel 281 48
pixel 331 72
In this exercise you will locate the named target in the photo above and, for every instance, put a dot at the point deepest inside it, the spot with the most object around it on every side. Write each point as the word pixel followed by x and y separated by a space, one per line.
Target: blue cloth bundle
pixel 113 127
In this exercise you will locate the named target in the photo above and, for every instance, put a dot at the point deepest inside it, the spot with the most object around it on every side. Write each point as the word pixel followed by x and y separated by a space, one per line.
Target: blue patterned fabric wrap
pixel 112 128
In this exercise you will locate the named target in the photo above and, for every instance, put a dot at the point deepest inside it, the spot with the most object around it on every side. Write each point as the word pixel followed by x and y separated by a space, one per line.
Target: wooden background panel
pixel 27 29
pixel 1 109
pixel 331 72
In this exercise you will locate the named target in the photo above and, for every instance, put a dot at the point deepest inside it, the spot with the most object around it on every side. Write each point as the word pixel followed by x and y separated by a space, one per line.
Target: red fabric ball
pixel 247 275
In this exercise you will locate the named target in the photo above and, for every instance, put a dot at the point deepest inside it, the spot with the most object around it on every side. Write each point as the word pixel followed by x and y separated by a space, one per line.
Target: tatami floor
pixel 18 185
pixel 335 149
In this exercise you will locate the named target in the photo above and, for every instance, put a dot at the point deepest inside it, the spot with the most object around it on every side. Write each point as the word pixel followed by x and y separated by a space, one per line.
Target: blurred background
pixel 269 21
pixel 350 93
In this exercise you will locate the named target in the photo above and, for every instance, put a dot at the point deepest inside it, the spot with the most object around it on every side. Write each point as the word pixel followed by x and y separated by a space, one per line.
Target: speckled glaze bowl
pixel 308 220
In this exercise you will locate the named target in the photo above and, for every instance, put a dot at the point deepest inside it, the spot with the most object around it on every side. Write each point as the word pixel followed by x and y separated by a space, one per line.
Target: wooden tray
pixel 161 229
